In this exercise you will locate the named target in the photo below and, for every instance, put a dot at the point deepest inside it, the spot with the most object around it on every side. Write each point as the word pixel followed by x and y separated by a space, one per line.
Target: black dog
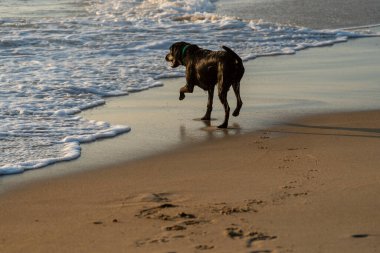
pixel 205 68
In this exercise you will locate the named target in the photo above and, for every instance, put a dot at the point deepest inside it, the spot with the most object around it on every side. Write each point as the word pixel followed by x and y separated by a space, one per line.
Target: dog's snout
pixel 169 57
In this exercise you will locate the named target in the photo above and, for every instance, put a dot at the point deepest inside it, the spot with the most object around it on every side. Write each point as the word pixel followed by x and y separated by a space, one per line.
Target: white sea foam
pixel 53 68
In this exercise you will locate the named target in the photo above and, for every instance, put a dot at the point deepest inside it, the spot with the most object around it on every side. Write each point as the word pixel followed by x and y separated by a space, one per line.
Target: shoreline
pixel 315 177
pixel 310 85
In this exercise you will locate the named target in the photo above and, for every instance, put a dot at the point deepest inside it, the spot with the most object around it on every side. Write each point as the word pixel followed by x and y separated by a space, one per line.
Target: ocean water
pixel 317 14
pixel 58 58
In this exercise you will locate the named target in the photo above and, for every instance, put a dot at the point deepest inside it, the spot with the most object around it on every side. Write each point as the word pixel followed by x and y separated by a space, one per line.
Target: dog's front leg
pixel 209 103
pixel 185 89
pixel 190 83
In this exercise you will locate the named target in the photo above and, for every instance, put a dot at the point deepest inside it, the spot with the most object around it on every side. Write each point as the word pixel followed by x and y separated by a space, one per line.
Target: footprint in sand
pixel 204 247
pixel 234 232
pixel 248 206
pixel 251 237
pixel 258 236
pixel 175 228
pixel 143 242
pixel 152 197
pixel 186 215
pixel 151 212
pixel 358 236
pixel 184 224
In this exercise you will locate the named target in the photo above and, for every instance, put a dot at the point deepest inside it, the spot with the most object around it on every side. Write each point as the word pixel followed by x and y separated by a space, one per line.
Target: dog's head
pixel 175 56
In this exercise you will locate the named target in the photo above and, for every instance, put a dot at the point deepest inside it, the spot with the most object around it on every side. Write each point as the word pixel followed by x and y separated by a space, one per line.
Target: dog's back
pixel 209 64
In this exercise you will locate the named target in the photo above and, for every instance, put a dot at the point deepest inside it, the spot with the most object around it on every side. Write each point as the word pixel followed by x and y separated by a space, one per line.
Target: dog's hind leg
pixel 209 103
pixel 223 99
pixel 239 103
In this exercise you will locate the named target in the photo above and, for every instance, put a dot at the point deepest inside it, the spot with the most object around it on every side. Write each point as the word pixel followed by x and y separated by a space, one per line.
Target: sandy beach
pixel 298 185
pixel 297 171
pixel 307 186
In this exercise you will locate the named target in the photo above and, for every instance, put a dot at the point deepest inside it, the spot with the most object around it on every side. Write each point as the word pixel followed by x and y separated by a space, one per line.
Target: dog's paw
pixel 224 125
pixel 181 96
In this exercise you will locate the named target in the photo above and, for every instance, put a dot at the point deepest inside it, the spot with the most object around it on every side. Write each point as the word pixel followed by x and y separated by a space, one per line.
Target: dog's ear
pixel 176 54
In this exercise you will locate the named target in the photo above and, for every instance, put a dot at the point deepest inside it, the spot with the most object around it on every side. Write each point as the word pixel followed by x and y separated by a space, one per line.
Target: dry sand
pixel 308 186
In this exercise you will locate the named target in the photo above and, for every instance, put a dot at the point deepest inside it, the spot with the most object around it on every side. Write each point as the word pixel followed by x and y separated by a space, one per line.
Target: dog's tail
pixel 239 63
pixel 229 50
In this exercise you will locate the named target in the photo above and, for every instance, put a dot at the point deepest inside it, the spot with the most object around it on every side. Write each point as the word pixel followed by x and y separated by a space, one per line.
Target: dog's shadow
pixel 212 131
pixel 205 121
